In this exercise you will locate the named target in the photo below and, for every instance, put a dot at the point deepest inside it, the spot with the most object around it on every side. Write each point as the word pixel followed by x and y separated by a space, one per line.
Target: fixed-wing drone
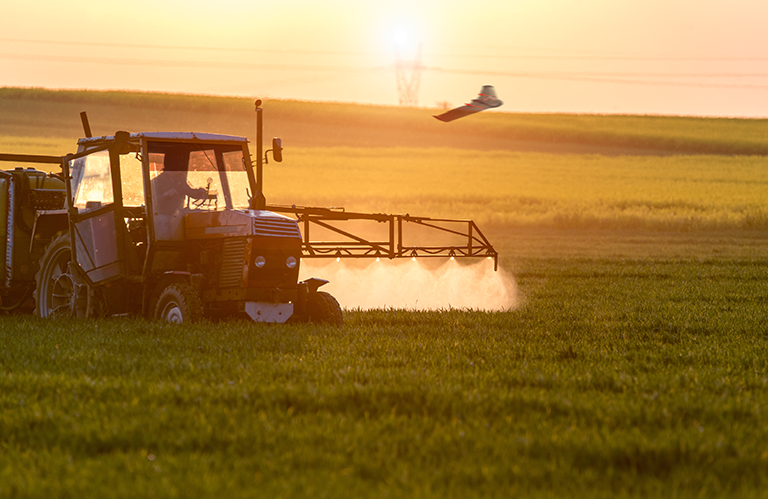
pixel 486 99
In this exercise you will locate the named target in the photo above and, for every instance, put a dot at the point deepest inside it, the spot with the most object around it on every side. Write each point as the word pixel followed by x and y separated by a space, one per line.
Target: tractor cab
pixel 166 175
pixel 153 210
pixel 149 183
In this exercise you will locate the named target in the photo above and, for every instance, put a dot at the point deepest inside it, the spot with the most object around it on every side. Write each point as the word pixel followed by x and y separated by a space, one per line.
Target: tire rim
pixel 172 313
pixel 57 297
pixel 62 293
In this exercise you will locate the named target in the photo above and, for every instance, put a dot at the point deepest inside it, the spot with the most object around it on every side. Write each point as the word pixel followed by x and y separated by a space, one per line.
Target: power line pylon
pixel 408 73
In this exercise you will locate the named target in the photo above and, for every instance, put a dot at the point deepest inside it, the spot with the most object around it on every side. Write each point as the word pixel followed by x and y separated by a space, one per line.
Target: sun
pixel 401 38
pixel 404 40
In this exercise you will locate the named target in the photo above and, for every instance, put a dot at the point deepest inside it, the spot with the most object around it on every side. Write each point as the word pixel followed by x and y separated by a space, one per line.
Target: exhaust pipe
pixel 86 125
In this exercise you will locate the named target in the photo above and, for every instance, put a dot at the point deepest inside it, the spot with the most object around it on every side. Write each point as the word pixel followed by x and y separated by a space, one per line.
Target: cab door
pixel 97 227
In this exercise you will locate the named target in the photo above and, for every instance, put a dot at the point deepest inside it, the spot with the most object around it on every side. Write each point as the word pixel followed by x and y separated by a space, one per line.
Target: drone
pixel 486 99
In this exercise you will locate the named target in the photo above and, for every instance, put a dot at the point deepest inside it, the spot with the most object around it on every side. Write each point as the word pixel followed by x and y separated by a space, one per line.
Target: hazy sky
pixel 691 57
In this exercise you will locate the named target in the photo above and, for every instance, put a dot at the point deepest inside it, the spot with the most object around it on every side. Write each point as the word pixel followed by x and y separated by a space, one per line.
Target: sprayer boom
pixel 380 235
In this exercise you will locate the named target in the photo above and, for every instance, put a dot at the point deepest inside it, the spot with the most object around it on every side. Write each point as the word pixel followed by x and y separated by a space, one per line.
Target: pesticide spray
pixel 418 284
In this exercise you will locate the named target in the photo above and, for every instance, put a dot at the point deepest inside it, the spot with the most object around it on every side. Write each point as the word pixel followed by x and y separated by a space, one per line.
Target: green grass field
pixel 635 365
pixel 616 378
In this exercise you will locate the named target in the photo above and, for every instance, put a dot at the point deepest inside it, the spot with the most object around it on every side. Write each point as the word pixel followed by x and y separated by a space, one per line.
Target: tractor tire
pixel 55 289
pixel 59 291
pixel 178 303
pixel 324 309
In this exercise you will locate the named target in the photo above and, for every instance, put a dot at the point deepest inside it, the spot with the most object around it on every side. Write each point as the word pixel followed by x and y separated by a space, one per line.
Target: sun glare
pixel 403 39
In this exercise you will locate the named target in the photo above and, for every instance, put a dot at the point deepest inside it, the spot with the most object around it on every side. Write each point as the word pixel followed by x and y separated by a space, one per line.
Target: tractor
pixel 175 226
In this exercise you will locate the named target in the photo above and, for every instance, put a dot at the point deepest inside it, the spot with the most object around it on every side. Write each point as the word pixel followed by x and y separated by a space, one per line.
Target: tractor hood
pixel 229 223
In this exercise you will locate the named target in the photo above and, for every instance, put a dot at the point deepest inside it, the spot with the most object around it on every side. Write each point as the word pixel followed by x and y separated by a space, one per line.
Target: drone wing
pixel 485 99
pixel 459 112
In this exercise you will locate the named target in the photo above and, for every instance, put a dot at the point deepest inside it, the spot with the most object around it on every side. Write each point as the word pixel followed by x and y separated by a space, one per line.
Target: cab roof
pixel 186 136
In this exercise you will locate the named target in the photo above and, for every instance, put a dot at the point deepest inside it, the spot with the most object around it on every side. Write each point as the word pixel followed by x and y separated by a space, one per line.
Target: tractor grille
pixel 233 262
pixel 276 227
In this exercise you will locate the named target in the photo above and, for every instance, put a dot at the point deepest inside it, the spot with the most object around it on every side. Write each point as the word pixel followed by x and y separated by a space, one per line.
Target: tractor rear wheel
pixel 324 309
pixel 59 292
pixel 178 303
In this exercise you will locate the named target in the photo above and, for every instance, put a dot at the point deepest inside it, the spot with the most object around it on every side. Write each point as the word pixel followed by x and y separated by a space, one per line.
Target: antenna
pixel 408 73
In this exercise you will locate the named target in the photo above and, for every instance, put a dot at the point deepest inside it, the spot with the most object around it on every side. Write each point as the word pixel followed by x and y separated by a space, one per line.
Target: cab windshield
pixel 197 176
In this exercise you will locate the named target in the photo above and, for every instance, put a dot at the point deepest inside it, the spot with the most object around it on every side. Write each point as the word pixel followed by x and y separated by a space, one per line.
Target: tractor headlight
pixel 290 262
pixel 260 261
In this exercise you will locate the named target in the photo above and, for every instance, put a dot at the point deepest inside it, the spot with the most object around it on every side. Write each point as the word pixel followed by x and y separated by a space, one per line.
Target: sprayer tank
pixel 23 192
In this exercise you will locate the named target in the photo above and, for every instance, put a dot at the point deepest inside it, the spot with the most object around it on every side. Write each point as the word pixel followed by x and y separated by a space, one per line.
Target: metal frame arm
pixel 473 243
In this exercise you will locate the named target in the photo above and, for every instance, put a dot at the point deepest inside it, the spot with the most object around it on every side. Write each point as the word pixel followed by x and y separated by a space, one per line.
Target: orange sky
pixel 691 57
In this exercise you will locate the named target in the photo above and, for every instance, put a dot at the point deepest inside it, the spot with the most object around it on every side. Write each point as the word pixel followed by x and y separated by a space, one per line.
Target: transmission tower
pixel 408 73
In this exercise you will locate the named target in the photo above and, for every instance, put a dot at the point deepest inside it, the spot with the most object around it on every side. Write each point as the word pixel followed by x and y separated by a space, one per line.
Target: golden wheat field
pixel 532 189
pixel 502 170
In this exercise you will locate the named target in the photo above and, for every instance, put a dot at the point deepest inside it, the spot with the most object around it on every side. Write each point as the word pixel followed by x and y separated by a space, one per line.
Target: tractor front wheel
pixel 178 303
pixel 324 309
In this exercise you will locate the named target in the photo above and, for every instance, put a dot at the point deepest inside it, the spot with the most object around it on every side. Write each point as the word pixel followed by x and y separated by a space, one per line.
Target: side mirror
pixel 277 149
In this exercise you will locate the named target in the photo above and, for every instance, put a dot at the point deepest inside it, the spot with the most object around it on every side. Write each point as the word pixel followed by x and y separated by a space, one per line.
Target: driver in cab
pixel 170 191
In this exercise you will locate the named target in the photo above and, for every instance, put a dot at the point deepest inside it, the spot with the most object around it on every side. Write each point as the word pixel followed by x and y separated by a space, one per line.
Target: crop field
pixel 45 113
pixel 635 363
pixel 524 189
